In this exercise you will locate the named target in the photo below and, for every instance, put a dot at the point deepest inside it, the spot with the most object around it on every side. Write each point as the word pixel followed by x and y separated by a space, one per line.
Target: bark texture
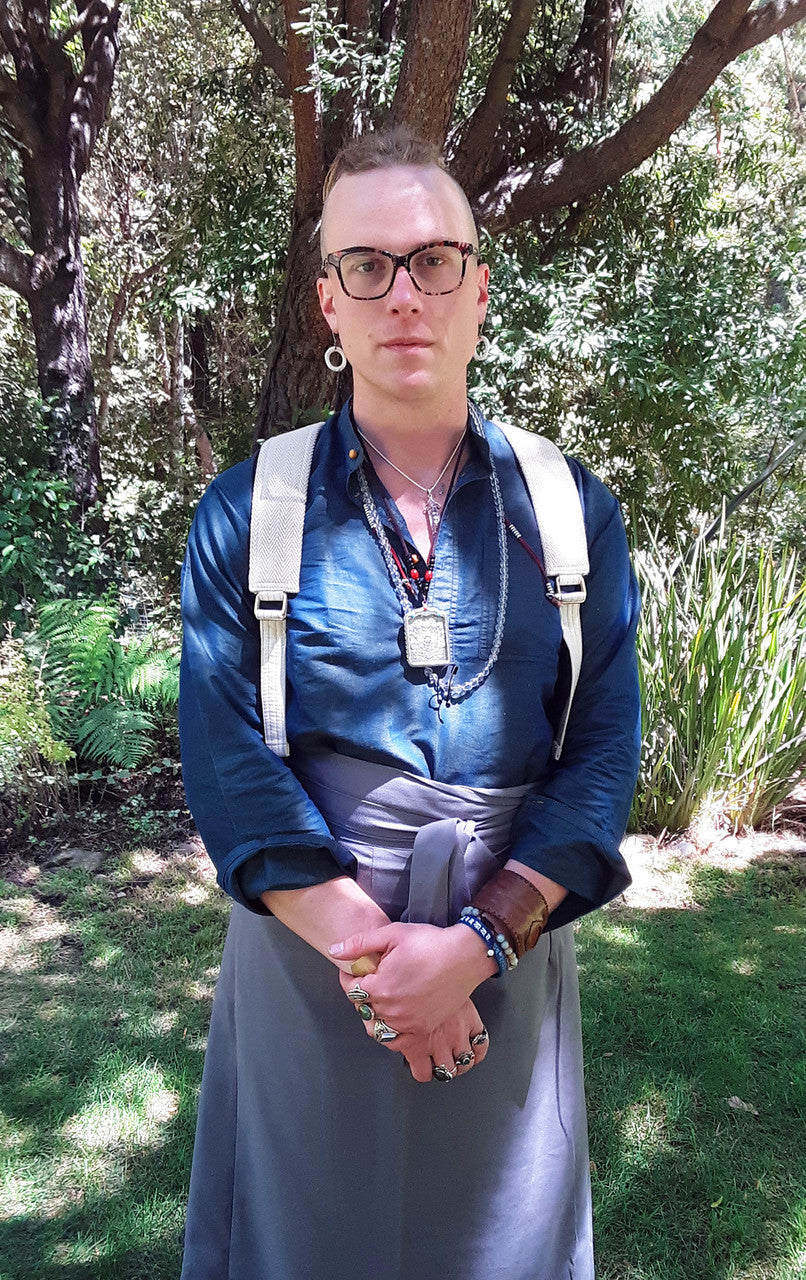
pixel 52 111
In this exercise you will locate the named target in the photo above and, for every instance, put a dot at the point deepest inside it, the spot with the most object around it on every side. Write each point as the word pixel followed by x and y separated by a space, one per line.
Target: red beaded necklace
pixel 409 571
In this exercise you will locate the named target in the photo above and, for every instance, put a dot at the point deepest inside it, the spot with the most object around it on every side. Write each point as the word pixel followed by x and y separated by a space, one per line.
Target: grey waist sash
pixel 422 848
pixel 317 1155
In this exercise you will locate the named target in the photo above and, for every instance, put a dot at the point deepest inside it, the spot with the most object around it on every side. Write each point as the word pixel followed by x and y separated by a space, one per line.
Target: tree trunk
pixel 58 305
pixel 297 385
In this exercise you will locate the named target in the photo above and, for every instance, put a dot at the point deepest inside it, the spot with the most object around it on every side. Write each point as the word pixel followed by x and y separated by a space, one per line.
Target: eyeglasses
pixel 435 268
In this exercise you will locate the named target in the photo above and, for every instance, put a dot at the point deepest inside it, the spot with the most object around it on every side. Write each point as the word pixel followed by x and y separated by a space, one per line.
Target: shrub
pixel 32 760
pixel 722 654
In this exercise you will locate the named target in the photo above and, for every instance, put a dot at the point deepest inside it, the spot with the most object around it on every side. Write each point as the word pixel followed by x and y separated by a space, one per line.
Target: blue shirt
pixel 350 690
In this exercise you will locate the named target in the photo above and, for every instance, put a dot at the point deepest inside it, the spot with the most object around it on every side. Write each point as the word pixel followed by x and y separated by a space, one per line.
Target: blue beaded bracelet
pixel 494 950
pixel 473 913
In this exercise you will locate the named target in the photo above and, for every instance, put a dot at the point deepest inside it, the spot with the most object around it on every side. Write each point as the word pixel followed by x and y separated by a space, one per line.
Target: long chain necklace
pixel 431 508
pixel 425 630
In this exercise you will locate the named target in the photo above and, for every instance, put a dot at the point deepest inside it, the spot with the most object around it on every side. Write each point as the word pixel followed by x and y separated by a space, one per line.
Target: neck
pixel 418 437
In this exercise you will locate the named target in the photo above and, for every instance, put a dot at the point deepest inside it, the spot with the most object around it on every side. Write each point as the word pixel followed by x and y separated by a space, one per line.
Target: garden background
pixel 639 175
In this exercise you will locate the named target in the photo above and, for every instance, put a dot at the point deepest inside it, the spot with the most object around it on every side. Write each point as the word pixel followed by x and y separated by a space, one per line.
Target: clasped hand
pixel 421 988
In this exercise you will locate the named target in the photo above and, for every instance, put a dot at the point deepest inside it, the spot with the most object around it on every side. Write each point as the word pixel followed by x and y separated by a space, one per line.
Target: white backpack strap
pixel 279 497
pixel 558 512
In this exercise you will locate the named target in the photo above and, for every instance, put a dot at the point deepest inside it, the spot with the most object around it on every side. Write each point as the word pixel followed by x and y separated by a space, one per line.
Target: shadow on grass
pixel 695 1033
pixel 107 985
pixel 104 1009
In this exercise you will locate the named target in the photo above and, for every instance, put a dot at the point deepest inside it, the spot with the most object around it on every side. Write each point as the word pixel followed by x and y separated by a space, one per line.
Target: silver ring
pixel 357 994
pixel 481 1037
pixel 465 1059
pixel 365 1011
pixel 383 1033
pixel 441 1072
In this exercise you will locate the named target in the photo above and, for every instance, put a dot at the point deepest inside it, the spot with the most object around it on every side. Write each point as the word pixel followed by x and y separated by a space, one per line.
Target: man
pixel 421 827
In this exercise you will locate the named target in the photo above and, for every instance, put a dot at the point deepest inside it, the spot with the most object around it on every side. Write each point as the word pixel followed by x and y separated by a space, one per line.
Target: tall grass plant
pixel 722 655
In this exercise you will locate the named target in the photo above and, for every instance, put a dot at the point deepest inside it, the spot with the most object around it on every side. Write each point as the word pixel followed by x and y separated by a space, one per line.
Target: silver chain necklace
pixel 431 508
pixel 425 630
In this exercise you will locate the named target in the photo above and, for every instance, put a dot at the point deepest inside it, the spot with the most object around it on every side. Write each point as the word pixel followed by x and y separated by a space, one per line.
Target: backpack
pixel 279 499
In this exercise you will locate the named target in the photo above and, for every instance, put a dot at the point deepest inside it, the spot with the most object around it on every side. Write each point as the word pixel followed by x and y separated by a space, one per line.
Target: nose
pixel 403 295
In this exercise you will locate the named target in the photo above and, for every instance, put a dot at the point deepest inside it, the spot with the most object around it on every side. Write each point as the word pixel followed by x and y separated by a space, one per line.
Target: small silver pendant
pixel 431 511
pixel 425 632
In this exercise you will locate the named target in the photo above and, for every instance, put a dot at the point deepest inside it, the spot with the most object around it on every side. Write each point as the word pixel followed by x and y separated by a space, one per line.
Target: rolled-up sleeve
pixel 570 828
pixel 258 824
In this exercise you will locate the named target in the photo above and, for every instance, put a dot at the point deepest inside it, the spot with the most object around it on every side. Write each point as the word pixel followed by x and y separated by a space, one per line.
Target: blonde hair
pixel 390 148
pixel 386 149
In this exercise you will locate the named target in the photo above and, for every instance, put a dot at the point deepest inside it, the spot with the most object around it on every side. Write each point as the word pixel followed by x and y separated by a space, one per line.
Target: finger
pixel 464 1059
pixel 442 1055
pixel 361 944
pixel 480 1045
pixel 420 1066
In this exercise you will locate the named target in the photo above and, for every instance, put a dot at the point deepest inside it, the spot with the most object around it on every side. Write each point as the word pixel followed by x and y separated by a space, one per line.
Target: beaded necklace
pixel 415 581
pixel 425 630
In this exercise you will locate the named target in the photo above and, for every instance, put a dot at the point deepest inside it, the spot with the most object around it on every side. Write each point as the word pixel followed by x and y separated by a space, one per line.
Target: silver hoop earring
pixel 335 359
pixel 483 347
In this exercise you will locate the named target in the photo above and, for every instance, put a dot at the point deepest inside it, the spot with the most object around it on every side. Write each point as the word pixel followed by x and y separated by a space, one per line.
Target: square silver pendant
pixel 425 632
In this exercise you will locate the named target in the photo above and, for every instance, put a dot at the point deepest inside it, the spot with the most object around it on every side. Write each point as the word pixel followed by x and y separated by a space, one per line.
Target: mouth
pixel 406 344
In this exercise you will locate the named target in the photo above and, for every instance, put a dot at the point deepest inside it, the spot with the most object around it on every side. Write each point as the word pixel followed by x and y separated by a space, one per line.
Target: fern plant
pixel 109 696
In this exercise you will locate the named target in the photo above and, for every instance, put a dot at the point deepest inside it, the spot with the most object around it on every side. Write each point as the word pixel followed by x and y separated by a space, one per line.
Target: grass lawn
pixel 695 1023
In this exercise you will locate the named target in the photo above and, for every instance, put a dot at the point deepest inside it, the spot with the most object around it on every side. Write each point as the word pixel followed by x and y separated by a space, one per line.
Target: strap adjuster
pixel 566 588
pixel 271 606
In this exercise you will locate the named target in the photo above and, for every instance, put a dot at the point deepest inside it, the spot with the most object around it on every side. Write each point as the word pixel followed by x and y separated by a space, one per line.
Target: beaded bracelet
pixel 500 938
pixel 501 946
pixel 494 949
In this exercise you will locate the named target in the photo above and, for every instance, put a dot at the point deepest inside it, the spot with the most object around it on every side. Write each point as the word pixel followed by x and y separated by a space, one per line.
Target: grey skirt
pixel 317 1156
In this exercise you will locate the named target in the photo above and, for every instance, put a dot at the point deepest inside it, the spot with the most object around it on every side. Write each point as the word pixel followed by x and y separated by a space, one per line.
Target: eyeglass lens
pixel 367 273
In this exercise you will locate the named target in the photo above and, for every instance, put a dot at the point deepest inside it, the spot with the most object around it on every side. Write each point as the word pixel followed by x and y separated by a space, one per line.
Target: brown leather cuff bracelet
pixel 515 907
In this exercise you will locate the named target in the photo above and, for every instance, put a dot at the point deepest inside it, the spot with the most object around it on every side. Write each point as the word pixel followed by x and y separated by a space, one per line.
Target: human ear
pixel 483 291
pixel 325 291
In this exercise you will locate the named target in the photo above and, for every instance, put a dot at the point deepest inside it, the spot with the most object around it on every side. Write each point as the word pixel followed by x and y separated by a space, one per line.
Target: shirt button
pixel 353 454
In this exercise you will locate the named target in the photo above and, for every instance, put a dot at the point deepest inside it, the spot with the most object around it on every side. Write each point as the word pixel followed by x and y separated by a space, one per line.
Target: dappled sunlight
pixel 147 863
pixel 643 1128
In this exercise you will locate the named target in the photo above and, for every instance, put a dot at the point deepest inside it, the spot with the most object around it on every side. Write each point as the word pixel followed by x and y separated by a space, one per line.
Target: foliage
pixel 32 760
pixel 664 341
pixel 722 652
pixel 109 696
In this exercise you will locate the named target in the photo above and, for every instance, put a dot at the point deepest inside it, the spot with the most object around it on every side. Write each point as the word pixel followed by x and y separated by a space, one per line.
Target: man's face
pixel 407 346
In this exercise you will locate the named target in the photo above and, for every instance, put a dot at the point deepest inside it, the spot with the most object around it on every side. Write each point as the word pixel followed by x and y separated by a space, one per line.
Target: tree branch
pixel 433 62
pixel 15 269
pixel 308 143
pixel 525 192
pixel 586 73
pixel 472 156
pixel 271 51
pixel 769 20
pixel 388 21
pixel 736 501
pixel 90 97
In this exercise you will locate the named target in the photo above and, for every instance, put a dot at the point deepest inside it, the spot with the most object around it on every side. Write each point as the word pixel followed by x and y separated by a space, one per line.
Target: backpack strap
pixel 279 497
pixel 558 512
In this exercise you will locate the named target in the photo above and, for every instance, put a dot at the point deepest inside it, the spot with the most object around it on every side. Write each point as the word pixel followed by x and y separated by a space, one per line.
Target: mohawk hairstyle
pixel 386 149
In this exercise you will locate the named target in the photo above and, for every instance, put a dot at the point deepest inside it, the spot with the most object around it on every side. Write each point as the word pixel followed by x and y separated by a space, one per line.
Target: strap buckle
pixel 566 588
pixel 271 606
